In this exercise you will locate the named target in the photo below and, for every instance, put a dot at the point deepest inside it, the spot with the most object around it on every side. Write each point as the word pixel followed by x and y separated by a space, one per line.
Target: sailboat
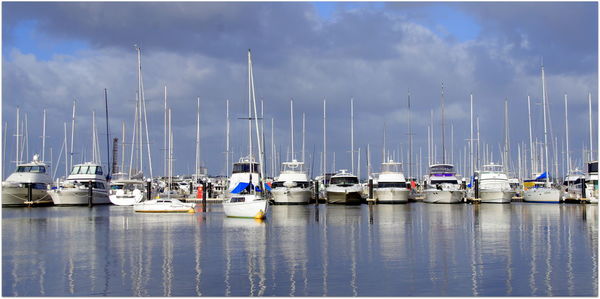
pixel 543 192
pixel 292 185
pixel 245 198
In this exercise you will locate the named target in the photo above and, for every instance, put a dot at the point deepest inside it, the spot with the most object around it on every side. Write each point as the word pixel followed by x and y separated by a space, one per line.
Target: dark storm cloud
pixel 373 55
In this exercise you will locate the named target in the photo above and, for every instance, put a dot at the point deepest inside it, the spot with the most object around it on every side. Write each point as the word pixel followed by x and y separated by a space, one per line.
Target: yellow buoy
pixel 259 215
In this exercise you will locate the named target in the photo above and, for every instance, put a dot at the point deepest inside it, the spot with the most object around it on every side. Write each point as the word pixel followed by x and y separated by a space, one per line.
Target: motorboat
pixel 15 190
pixel 391 184
pixel 245 198
pixel 75 190
pixel 442 185
pixel 124 192
pixel 592 190
pixel 344 188
pixel 573 186
pixel 292 186
pixel 494 185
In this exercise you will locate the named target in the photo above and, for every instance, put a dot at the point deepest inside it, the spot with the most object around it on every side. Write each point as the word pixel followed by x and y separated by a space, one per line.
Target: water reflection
pixel 416 249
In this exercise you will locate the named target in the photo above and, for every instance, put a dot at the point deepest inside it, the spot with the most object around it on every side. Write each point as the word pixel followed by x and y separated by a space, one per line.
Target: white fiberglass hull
pixel 163 206
pixel 341 197
pixel 291 195
pixel 253 208
pixel 78 196
pixel 496 196
pixel 391 195
pixel 548 195
pixel 443 196
pixel 125 199
pixel 17 196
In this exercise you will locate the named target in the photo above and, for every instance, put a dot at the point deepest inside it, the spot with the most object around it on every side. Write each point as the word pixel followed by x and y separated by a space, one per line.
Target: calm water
pixel 383 250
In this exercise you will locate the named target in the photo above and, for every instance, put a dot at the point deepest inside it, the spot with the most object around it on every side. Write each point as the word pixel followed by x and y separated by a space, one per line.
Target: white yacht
pixel 592 190
pixel 573 185
pixel 15 188
pixel 75 189
pixel 494 185
pixel 245 200
pixel 344 188
pixel 442 185
pixel 124 192
pixel 292 185
pixel 391 184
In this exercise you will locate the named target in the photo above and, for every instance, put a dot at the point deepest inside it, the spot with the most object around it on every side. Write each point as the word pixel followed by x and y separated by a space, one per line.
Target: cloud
pixel 373 55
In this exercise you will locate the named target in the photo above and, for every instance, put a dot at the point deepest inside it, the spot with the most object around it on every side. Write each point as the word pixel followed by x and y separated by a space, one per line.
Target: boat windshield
pixel 244 167
pixel 344 180
pixel 33 169
pixel 391 167
pixel 391 185
pixel 592 167
pixel 85 169
pixel 436 182
pixel 439 169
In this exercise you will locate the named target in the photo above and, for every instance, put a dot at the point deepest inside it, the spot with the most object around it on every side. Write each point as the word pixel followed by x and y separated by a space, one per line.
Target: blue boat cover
pixel 240 187
pixel 542 176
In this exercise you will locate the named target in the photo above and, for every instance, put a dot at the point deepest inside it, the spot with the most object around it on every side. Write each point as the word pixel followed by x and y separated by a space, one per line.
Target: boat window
pixel 303 184
pixel 391 185
pixel 244 167
pixel 116 187
pixel 99 185
pixel 443 182
pixel 442 169
pixel 344 180
pixel 276 184
pixel 99 170
pixel 237 199
pixel 38 169
pixel 83 170
pixel 592 167
pixel 24 169
pixel 75 170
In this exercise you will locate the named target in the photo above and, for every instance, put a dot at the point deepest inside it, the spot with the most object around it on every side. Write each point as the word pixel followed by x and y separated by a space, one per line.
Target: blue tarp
pixel 470 185
pixel 542 176
pixel 267 187
pixel 243 185
pixel 240 187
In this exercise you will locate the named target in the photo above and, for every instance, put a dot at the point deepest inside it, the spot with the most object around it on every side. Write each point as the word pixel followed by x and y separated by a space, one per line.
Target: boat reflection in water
pixel 417 249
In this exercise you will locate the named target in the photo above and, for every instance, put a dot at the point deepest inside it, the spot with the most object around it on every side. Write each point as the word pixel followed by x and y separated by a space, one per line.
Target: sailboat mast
pixel 443 130
pixel 384 158
pixel 139 104
pixel 249 106
pixel 227 139
pixel 545 129
pixel 567 134
pixel 471 142
pixel 506 135
pixel 292 126
pixel 258 135
pixel 410 142
pixel 123 147
pixel 304 136
pixel 44 136
pixel 591 127
pixel 324 137
pixel 65 147
pixel 17 162
pixel 107 134
pixel 352 132
pixel 197 139
pixel 165 165
pixel 94 136
pixel 531 149
pixel 72 134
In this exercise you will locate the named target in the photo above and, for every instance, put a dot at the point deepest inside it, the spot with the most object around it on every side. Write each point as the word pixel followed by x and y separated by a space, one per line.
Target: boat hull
pixel 17 196
pixel 443 196
pixel 391 195
pixel 496 196
pixel 120 199
pixel 163 206
pixel 78 197
pixel 291 196
pixel 344 197
pixel 252 209
pixel 542 195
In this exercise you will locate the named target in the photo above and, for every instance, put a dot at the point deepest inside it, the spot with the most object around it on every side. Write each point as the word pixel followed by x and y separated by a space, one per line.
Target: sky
pixel 375 53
